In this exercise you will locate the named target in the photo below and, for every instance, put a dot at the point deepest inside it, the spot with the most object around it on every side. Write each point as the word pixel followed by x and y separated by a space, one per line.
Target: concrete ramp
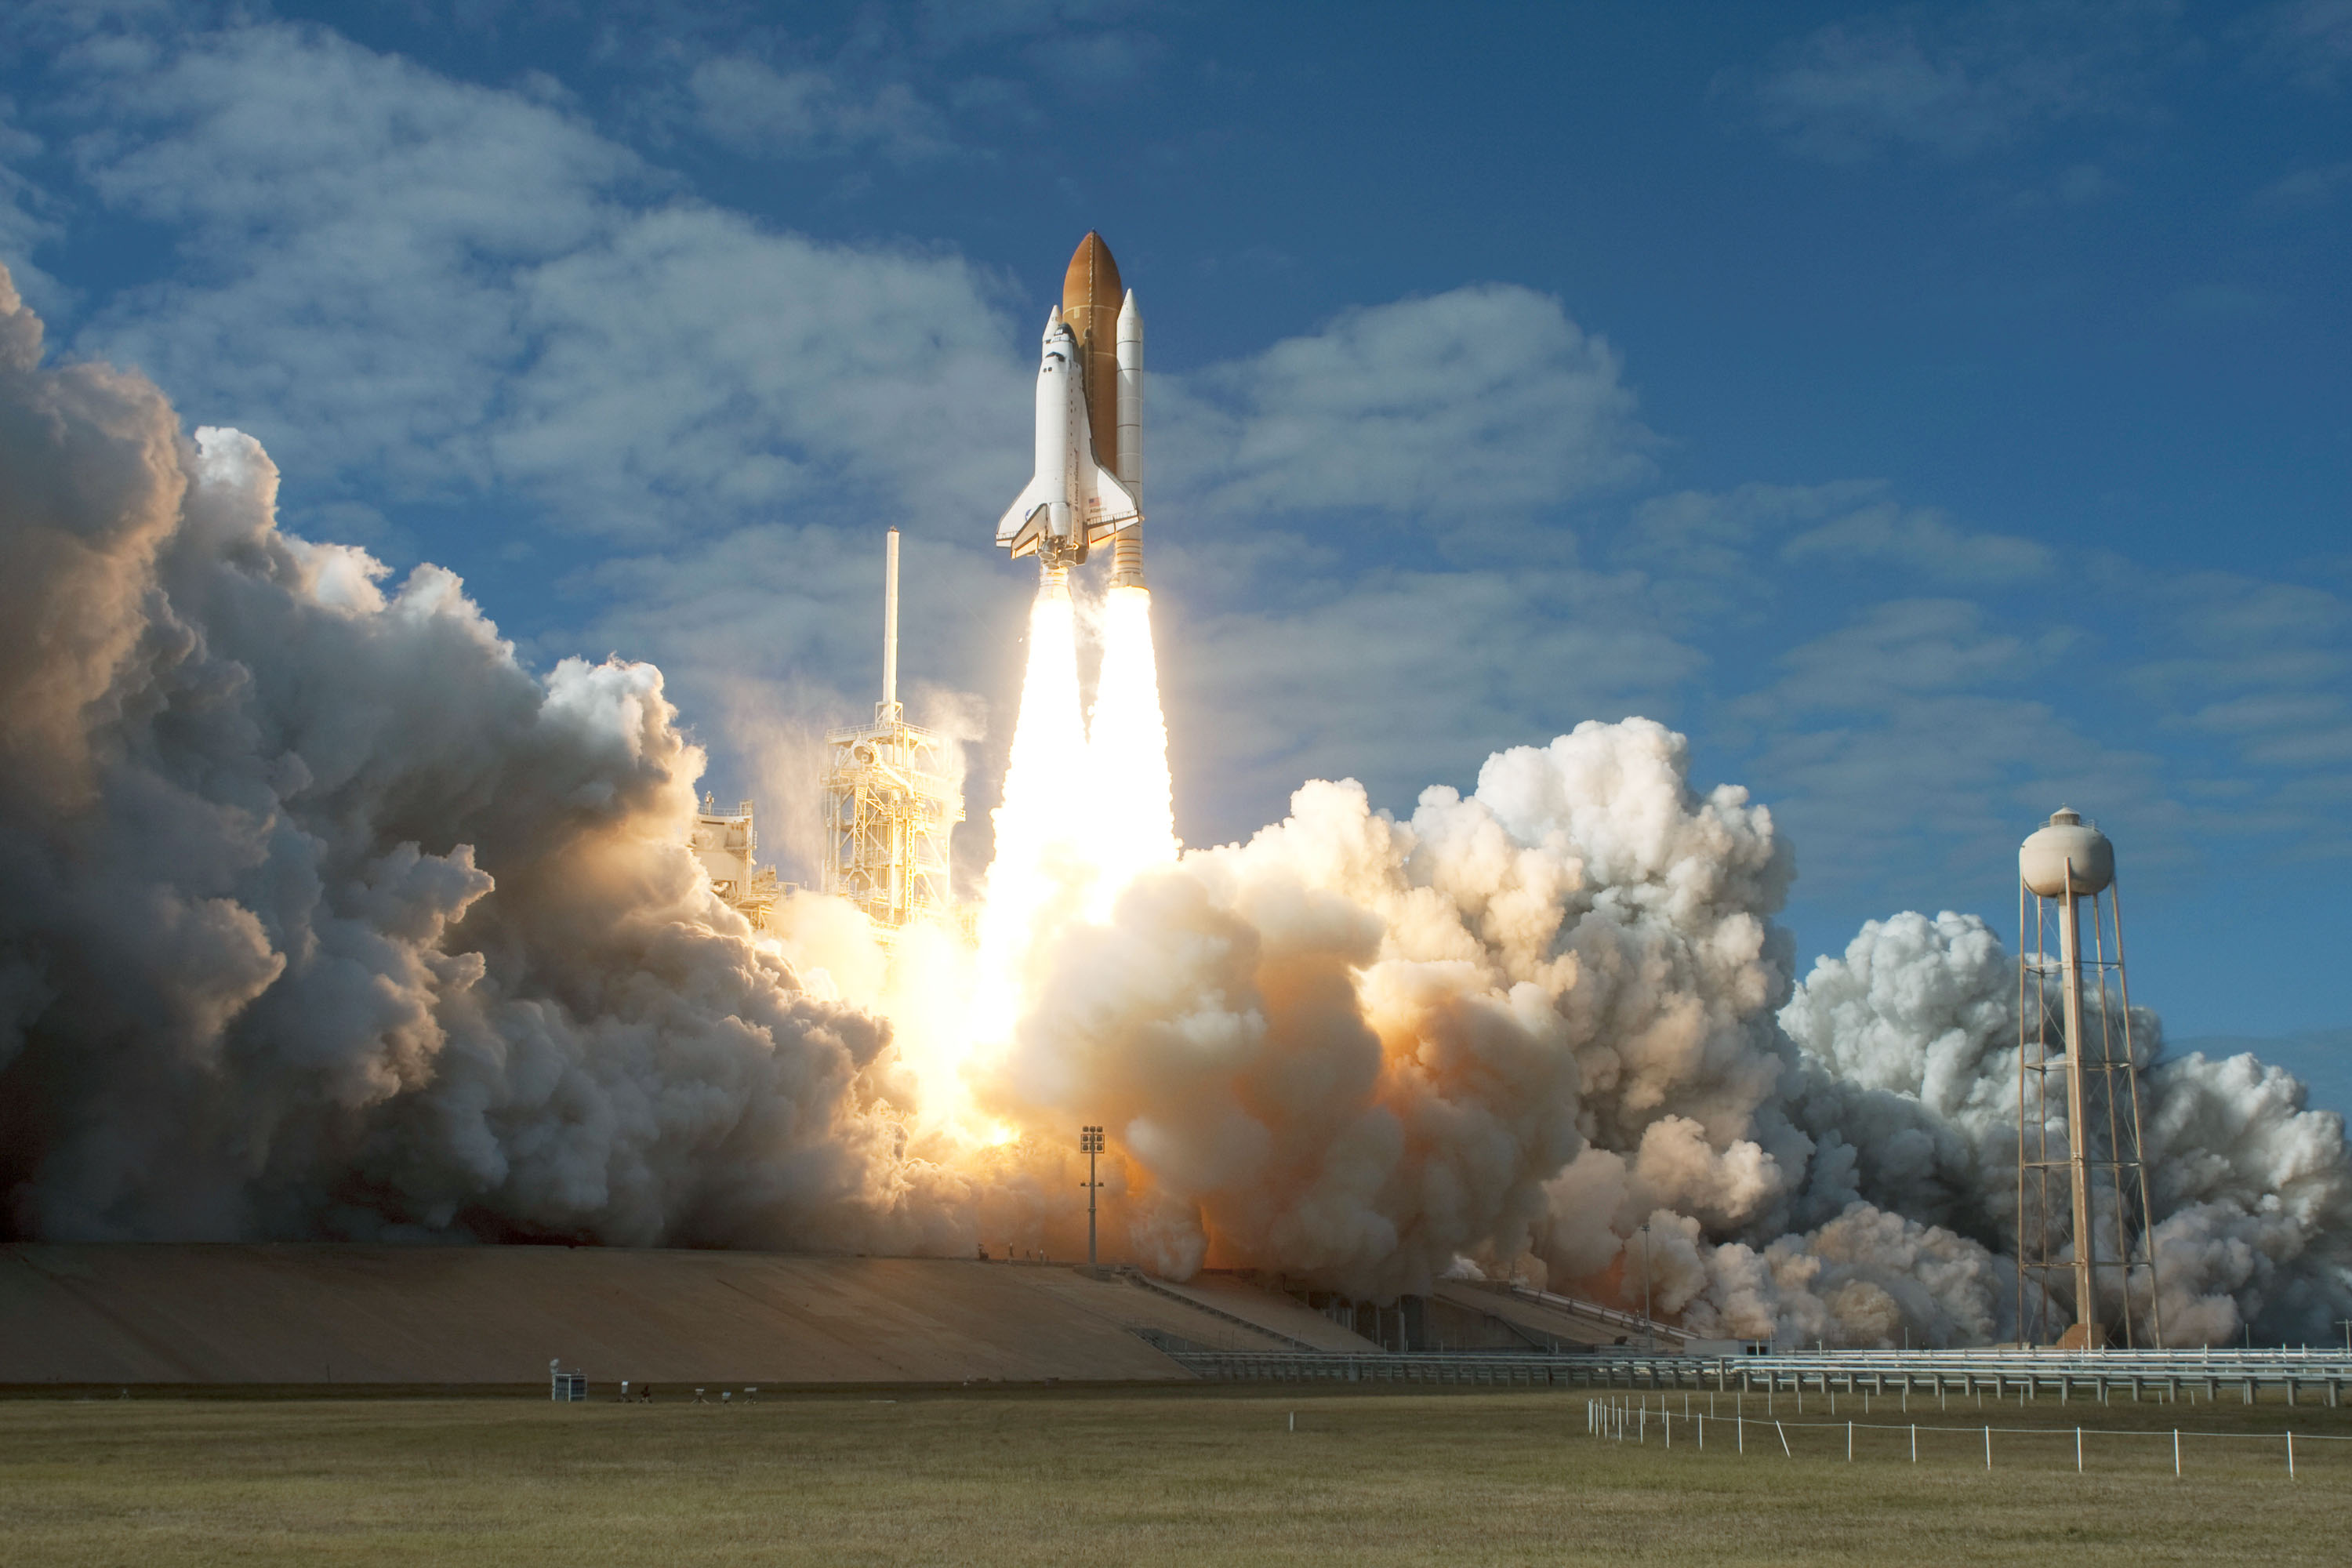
pixel 1230 1296
pixel 1126 1302
pixel 334 1314
pixel 1534 1323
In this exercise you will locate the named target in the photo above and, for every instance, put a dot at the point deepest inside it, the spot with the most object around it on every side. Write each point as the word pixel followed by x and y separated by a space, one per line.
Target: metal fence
pixel 1617 1418
pixel 2318 1376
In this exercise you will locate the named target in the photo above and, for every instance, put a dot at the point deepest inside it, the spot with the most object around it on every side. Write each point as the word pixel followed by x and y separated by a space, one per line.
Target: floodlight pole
pixel 1090 1141
pixel 1649 1322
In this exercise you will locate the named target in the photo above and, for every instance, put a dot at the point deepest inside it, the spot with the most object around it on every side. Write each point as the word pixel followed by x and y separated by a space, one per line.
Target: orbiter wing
pixel 1023 522
pixel 1109 508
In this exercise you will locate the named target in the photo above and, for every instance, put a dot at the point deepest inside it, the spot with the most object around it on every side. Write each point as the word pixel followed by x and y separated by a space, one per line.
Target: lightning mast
pixel 890 798
pixel 2064 866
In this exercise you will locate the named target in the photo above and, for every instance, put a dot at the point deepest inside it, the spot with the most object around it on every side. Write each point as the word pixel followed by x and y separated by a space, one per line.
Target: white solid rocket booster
pixel 1127 545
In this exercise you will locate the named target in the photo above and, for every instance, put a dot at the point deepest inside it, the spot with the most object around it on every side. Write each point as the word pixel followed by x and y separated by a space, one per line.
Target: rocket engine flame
pixel 1086 808
pixel 1040 875
pixel 1131 810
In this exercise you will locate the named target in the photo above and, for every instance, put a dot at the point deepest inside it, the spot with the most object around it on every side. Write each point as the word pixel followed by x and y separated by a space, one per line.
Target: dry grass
pixel 1209 1476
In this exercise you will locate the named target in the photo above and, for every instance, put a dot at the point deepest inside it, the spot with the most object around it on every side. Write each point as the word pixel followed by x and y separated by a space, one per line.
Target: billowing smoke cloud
pixel 1524 1024
pixel 1910 1078
pixel 321 916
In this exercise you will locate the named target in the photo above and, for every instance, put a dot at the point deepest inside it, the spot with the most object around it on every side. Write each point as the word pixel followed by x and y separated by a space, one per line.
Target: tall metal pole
pixel 1649 1323
pixel 2078 1120
pixel 888 712
pixel 2024 1023
pixel 1090 1140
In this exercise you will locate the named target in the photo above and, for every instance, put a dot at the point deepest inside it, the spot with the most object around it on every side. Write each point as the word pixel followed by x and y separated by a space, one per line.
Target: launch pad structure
pixel 890 799
pixel 728 844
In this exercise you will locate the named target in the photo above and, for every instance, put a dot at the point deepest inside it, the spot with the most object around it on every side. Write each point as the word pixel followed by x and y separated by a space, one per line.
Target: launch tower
pixel 728 844
pixel 890 799
pixel 2064 867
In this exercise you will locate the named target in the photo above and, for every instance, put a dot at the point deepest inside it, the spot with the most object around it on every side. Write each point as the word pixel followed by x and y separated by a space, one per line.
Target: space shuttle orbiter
pixel 1089 400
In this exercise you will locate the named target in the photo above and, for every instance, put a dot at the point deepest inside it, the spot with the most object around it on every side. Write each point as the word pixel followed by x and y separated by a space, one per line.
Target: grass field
pixel 1209 1476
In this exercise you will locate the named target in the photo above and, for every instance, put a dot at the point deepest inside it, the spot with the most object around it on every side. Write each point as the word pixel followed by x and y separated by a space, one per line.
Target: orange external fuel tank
pixel 1091 295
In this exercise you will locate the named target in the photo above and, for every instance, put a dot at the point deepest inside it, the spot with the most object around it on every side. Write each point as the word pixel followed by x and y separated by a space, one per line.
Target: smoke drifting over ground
pixel 321 916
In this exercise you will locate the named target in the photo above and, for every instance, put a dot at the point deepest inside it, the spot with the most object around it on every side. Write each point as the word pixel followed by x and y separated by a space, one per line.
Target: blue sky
pixel 1937 413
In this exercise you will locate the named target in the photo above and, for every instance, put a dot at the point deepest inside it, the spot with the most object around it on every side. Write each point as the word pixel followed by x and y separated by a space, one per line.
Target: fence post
pixel 2176 1453
pixel 2290 1455
pixel 2078 1450
pixel 1740 1432
pixel 1988 1447
pixel 1784 1440
pixel 1915 1442
pixel 1848 1442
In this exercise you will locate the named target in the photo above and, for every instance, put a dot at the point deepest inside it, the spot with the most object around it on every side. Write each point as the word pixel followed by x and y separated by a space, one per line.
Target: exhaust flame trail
pixel 1083 813
pixel 1127 749
pixel 1038 874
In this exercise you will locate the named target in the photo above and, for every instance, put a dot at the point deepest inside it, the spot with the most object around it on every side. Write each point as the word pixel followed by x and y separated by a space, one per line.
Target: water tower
pixel 2066 866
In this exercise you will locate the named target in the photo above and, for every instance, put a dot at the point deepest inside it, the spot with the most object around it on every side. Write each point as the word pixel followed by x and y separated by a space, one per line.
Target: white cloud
pixel 1714 534
pixel 1909 746
pixel 2263 666
pixel 1896 652
pixel 351 224
pixel 1711 551
pixel 1399 678
pixel 750 107
pixel 1923 539
pixel 428 288
pixel 956 23
pixel 1096 67
pixel 1906 746
pixel 2309 42
pixel 2304 188
pixel 1483 397
pixel 388 301
pixel 1957 82
pixel 27 218
pixel 693 370
pixel 450 286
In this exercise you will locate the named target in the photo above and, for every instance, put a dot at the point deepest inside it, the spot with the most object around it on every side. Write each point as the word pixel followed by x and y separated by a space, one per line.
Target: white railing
pixel 1995 1372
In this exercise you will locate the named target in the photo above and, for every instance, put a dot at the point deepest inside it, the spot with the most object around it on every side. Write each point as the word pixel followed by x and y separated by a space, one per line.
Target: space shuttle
pixel 1089 404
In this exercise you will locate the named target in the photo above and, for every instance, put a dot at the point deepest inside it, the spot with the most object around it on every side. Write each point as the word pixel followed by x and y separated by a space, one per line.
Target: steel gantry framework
pixel 728 844
pixel 891 799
